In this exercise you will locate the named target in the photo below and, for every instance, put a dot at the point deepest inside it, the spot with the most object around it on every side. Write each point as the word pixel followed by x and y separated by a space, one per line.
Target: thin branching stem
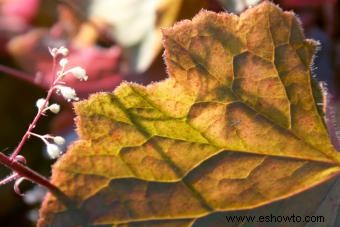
pixel 32 125
pixel 16 162
pixel 9 178
pixel 38 115
pixel 24 171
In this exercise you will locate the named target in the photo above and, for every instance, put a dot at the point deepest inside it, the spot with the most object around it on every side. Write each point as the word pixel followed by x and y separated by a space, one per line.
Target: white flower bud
pixel 78 72
pixel 67 92
pixel 63 62
pixel 53 150
pixel 59 140
pixel 63 51
pixel 54 108
pixel 40 102
pixel 53 51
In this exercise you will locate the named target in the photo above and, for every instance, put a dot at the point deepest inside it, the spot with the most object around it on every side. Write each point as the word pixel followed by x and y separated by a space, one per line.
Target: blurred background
pixel 113 40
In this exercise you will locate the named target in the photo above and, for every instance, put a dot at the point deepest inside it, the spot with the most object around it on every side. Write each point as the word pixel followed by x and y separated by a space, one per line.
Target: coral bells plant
pixel 235 130
pixel 16 162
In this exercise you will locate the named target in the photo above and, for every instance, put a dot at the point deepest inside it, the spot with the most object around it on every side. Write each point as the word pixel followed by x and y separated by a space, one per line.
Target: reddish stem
pixel 12 162
pixel 33 176
pixel 32 125
pixel 10 178
pixel 37 117
pixel 29 79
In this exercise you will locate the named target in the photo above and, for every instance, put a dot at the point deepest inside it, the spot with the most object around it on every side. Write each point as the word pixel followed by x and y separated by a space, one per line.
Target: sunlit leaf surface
pixel 233 128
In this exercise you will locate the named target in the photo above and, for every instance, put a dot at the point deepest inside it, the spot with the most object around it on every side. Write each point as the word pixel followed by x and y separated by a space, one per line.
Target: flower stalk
pixel 32 125
pixel 33 176
pixel 15 161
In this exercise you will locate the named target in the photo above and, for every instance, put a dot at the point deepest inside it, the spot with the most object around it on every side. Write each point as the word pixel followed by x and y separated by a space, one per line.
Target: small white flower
pixel 53 51
pixel 68 93
pixel 56 51
pixel 54 108
pixel 63 62
pixel 59 140
pixel 53 150
pixel 78 72
pixel 40 102
pixel 63 51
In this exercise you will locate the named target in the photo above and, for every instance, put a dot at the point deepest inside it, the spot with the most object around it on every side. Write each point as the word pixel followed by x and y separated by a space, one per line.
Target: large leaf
pixel 234 127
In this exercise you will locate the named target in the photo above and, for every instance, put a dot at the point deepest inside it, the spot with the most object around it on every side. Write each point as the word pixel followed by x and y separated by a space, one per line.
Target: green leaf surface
pixel 234 127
